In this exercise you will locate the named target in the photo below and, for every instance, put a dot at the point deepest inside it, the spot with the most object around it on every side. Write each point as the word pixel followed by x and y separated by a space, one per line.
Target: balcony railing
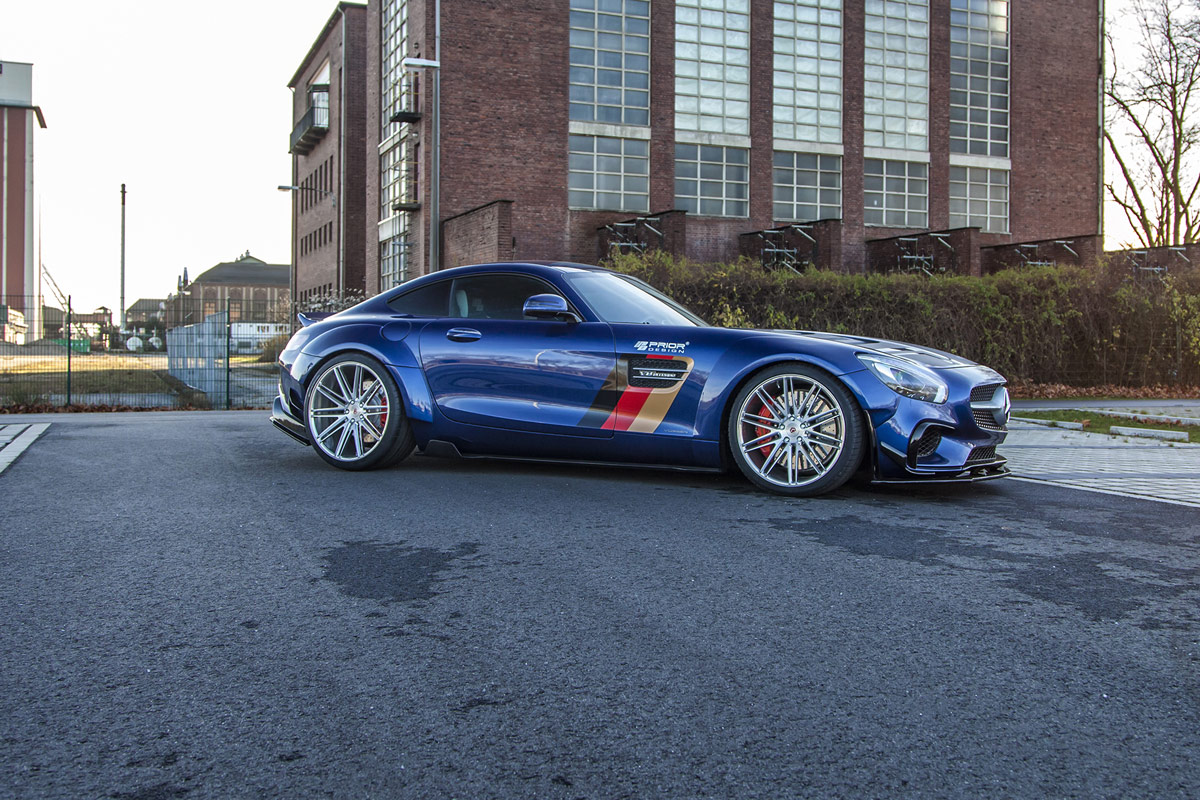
pixel 310 129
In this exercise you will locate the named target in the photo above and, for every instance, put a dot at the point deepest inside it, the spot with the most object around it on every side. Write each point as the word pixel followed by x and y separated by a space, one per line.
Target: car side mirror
pixel 549 306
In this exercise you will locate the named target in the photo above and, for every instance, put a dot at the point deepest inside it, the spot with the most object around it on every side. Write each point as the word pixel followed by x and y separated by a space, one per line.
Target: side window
pixel 427 301
pixel 495 296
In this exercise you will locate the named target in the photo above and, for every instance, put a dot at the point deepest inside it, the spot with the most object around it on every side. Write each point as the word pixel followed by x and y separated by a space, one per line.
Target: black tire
pixel 347 424
pixel 794 429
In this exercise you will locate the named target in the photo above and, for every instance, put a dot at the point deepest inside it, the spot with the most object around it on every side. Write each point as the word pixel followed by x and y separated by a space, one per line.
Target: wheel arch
pixel 411 409
pixel 743 377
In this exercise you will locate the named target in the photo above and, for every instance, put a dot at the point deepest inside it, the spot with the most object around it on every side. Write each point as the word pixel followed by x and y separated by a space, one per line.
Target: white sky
pixel 187 104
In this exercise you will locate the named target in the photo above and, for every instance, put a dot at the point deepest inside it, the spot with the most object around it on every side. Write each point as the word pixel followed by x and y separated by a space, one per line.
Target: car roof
pixel 532 267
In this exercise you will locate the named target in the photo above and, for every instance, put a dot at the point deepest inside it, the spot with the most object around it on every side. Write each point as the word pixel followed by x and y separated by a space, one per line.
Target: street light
pixel 333 197
pixel 435 184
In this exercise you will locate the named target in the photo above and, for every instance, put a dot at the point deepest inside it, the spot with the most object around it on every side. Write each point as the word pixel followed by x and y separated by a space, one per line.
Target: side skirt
pixel 436 448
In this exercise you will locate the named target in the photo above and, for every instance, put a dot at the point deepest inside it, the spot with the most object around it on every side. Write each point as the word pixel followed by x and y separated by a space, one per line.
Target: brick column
pixel 939 118
pixel 762 133
pixel 854 253
pixel 662 105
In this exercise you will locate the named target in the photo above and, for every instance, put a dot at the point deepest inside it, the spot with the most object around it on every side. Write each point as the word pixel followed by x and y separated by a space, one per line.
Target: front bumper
pixel 984 472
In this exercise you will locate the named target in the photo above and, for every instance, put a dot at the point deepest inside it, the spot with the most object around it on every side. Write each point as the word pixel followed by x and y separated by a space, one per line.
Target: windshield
pixel 622 299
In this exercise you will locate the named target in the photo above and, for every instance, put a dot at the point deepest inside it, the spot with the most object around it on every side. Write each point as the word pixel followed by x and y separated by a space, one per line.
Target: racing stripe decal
pixel 600 412
pixel 641 408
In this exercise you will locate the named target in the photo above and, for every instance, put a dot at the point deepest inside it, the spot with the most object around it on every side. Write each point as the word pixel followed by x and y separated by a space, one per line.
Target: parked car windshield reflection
pixel 621 299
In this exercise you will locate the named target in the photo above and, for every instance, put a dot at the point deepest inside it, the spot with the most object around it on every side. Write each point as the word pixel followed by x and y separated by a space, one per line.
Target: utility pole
pixel 122 256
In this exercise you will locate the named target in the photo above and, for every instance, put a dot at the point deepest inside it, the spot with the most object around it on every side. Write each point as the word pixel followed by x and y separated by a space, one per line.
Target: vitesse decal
pixel 661 347
pixel 638 393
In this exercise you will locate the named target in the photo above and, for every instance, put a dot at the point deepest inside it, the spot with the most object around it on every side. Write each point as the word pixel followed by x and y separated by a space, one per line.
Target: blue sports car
pixel 559 361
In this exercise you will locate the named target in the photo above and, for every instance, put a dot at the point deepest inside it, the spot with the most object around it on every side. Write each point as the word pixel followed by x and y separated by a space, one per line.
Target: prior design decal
pixel 638 393
pixel 662 347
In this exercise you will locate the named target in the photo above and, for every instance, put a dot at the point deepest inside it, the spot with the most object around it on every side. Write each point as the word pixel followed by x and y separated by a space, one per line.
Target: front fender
pixel 751 354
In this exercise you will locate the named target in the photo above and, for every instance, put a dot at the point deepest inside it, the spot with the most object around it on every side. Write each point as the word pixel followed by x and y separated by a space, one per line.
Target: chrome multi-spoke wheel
pixel 795 430
pixel 354 416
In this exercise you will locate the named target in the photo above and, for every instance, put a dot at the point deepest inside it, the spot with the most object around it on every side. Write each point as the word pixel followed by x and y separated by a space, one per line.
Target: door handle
pixel 463 335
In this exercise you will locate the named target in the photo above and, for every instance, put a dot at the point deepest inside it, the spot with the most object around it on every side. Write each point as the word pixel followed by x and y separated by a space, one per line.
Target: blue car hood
pixel 927 356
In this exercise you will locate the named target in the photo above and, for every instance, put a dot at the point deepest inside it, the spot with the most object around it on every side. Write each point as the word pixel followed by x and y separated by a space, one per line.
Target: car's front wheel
pixel 354 414
pixel 796 430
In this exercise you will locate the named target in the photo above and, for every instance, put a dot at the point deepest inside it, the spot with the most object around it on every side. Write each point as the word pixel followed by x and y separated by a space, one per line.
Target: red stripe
pixel 664 358
pixel 628 407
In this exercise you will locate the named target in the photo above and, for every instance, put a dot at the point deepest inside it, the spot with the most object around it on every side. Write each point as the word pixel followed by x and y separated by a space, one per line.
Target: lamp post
pixel 333 202
pixel 434 67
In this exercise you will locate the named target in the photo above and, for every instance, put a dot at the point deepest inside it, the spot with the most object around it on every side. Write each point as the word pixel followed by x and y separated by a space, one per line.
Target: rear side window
pixel 494 296
pixel 431 300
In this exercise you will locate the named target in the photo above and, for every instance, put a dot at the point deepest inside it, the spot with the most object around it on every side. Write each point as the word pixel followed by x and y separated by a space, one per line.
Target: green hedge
pixel 1063 325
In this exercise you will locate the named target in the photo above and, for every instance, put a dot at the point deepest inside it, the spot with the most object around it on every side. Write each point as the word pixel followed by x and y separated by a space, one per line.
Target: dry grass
pixel 28 378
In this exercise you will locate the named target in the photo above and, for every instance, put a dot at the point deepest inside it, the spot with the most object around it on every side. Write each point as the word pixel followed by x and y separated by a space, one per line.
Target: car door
pixel 489 365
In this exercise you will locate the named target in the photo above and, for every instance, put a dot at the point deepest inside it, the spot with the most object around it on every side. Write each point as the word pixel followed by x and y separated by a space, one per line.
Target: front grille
pixel 985 419
pixel 987 414
pixel 928 443
pixel 981 394
pixel 982 454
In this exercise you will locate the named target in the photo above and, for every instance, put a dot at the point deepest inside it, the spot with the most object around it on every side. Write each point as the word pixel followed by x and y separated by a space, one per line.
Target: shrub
pixel 1059 325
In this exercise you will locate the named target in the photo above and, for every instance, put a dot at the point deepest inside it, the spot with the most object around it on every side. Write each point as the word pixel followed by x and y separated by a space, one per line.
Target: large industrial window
pixel 610 61
pixel 807 187
pixel 397 175
pixel 979 59
pixel 610 174
pixel 896 73
pixel 394 261
pixel 394 49
pixel 808 71
pixel 397 156
pixel 712 181
pixel 979 199
pixel 712 66
pixel 896 193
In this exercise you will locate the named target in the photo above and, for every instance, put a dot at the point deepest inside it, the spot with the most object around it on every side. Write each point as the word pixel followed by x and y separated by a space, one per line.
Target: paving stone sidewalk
pixel 1124 465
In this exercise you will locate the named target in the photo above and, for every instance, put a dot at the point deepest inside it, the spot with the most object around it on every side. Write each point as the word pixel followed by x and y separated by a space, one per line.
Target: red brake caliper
pixel 763 411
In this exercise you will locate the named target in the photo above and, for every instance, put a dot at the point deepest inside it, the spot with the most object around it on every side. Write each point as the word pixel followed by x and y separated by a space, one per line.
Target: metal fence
pixel 203 355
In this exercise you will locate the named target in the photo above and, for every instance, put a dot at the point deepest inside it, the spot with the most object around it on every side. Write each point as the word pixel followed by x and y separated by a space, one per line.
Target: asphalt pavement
pixel 198 607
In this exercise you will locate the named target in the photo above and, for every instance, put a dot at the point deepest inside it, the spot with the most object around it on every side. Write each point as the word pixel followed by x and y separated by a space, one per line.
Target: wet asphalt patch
pixel 391 573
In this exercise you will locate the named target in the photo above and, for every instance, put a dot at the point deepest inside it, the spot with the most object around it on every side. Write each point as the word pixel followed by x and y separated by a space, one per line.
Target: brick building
pixel 20 277
pixel 247 287
pixel 858 134
pixel 328 147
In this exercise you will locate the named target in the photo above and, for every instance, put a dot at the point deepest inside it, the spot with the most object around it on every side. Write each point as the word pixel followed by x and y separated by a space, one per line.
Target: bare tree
pixel 1154 123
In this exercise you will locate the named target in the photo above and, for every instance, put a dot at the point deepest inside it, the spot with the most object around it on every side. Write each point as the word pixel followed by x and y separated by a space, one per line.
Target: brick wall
pixel 1055 184
pixel 336 163
pixel 504 117
pixel 505 127
pixel 371 129
pixel 1082 251
pixel 478 236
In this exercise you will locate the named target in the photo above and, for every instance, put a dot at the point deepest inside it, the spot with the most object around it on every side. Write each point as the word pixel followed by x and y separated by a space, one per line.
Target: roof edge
pixel 337 12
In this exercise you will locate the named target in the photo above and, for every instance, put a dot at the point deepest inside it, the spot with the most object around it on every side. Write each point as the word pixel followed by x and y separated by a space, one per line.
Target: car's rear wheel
pixel 354 414
pixel 794 429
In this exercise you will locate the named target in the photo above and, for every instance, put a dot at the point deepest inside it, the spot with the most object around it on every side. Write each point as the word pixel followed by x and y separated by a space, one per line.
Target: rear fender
pixel 392 351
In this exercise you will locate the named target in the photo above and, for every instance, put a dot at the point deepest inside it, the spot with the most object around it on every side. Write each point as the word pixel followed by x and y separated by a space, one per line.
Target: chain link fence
pixel 197 355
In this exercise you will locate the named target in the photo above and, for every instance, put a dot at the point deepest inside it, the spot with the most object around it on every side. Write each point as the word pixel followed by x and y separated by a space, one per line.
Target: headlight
pixel 906 378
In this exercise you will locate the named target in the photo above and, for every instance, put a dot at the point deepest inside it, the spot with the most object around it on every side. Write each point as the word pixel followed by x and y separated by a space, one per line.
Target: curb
pixel 1150 433
pixel 1051 423
pixel 11 450
pixel 1147 417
